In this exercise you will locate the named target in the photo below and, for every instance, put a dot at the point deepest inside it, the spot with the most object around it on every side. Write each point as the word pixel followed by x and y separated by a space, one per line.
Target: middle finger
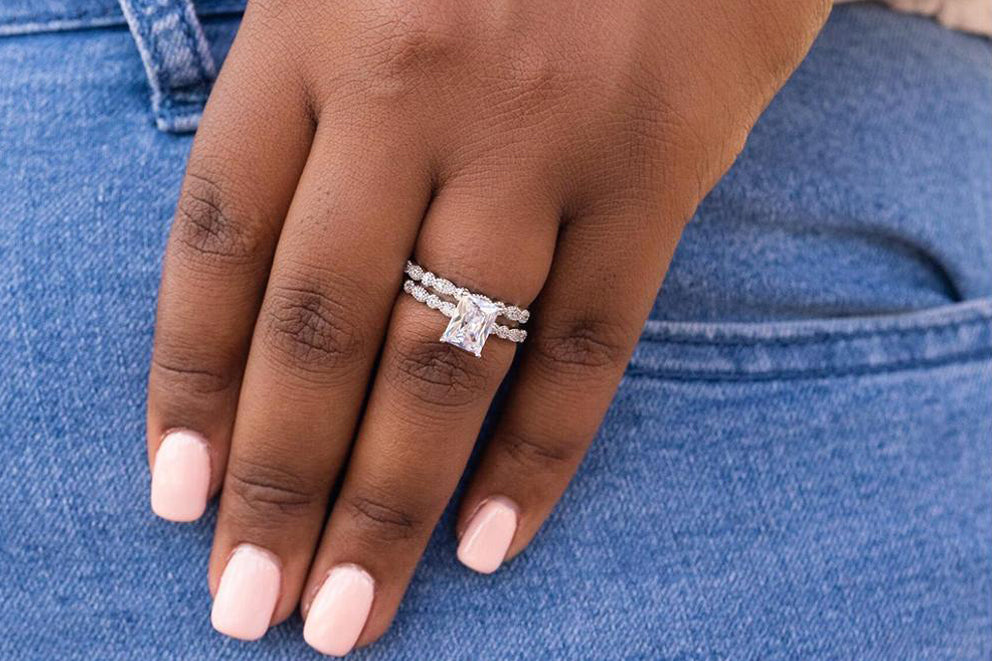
pixel 352 222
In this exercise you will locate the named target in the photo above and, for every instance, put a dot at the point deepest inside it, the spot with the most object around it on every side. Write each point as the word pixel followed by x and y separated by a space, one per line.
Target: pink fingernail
pixel 181 477
pixel 339 611
pixel 488 536
pixel 246 598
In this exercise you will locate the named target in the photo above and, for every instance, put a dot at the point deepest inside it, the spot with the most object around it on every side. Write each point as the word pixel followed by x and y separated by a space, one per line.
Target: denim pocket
pixel 816 489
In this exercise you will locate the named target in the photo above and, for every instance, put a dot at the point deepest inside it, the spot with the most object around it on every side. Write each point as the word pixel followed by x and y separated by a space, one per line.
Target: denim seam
pixel 193 40
pixel 58 18
pixel 807 374
pixel 176 108
pixel 820 338
pixel 25 29
pixel 56 21
pixel 183 103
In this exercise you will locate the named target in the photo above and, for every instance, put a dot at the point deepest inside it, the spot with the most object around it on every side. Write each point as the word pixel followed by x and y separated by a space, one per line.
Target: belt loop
pixel 176 57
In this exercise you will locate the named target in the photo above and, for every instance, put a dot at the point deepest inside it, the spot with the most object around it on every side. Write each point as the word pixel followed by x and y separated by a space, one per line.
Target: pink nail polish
pixel 181 477
pixel 488 536
pixel 340 610
pixel 246 598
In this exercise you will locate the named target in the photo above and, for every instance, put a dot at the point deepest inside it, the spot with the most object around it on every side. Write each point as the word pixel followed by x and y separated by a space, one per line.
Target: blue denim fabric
pixel 27 16
pixel 798 463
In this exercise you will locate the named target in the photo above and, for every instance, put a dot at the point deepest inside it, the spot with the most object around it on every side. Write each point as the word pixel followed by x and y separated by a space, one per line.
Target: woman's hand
pixel 543 153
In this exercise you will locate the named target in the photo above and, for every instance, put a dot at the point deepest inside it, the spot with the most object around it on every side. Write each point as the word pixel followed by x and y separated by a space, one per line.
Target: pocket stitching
pixel 821 338
pixel 807 374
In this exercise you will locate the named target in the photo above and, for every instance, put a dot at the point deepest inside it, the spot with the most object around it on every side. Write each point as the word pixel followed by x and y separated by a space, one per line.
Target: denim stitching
pixel 928 338
pixel 177 107
pixel 163 72
pixel 193 46
pixel 53 17
pixel 807 374
pixel 57 18
pixel 820 338
pixel 197 97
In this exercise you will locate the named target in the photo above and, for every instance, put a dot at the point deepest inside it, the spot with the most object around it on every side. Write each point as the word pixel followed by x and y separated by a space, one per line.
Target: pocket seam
pixel 815 349
pixel 810 374
pixel 53 17
pixel 822 338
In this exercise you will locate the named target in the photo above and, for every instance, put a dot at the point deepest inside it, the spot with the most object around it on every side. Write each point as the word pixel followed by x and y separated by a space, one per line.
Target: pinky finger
pixel 582 337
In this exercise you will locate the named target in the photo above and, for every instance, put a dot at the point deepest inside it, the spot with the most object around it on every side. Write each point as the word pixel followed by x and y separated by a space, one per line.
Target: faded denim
pixel 798 463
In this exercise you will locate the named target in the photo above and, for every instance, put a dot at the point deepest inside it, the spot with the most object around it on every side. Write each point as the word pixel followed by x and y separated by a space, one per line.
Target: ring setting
pixel 473 317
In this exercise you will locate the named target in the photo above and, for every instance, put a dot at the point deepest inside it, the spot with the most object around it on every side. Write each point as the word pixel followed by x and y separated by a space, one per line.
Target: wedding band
pixel 473 316
pixel 447 288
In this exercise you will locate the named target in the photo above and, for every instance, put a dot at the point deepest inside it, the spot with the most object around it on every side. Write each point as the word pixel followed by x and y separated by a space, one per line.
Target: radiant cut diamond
pixel 474 320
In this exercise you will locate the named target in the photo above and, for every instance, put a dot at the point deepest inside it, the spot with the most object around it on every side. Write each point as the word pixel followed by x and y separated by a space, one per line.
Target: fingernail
pixel 339 611
pixel 246 598
pixel 488 536
pixel 181 477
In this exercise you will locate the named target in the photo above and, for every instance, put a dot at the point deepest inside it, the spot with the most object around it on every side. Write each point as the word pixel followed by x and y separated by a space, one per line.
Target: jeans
pixel 798 462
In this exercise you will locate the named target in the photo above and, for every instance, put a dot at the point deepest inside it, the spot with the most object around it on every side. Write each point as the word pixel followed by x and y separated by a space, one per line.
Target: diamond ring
pixel 473 316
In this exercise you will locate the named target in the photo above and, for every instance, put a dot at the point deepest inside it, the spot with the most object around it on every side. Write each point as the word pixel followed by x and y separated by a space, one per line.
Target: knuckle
pixel 312 328
pixel 535 76
pixel 381 520
pixel 410 39
pixel 266 490
pixel 436 373
pixel 579 345
pixel 401 44
pixel 533 452
pixel 179 372
pixel 210 225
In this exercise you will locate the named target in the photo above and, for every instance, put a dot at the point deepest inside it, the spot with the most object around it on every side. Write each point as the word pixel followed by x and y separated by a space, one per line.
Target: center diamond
pixel 473 322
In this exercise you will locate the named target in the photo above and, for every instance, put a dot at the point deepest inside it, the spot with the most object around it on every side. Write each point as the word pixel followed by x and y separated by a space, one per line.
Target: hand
pixel 542 153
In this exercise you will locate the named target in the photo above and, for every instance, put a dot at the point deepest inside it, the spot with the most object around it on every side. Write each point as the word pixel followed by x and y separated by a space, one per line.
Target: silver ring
pixel 473 316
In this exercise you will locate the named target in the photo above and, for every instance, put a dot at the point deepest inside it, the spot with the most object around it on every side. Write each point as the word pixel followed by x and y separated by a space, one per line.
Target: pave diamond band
pixel 472 316
pixel 448 288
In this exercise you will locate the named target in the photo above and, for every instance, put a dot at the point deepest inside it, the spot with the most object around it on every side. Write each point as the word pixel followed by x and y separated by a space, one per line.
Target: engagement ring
pixel 473 316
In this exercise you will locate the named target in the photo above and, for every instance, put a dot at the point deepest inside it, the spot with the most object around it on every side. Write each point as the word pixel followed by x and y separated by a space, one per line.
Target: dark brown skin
pixel 547 154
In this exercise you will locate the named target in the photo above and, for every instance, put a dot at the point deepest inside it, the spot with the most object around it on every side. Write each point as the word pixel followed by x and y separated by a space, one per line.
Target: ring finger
pixel 427 405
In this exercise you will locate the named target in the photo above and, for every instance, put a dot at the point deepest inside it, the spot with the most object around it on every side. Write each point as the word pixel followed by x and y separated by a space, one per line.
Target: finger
pixel 426 407
pixel 239 182
pixel 339 262
pixel 599 292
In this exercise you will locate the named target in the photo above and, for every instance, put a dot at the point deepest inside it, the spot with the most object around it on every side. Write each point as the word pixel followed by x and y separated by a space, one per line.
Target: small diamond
pixel 474 319
pixel 414 271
